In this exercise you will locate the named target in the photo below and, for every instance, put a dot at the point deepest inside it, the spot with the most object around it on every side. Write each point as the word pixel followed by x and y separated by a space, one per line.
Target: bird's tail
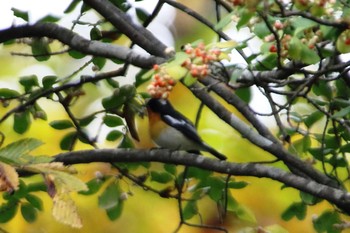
pixel 214 152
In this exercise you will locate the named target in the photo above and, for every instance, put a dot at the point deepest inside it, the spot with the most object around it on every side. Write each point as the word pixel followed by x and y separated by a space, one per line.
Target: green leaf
pixel 325 222
pixel 113 121
pixel 8 210
pixel 245 214
pixel 41 49
pixel 21 122
pixel 141 14
pixel 18 149
pixel 8 93
pixel 76 54
pixel 113 83
pixel 99 62
pixel 126 142
pixel 245 16
pixel 95 34
pixel 170 168
pixel 297 209
pixel 48 81
pixel 20 14
pixel 322 88
pixel 115 212
pixel 342 113
pixel 110 196
pixel 29 213
pixel 261 30
pixel 300 24
pixel 308 198
pixel 313 118
pixel 34 201
pixel 68 141
pixel 114 135
pixel 143 76
pixel 161 177
pixel 237 184
pixel 49 19
pixel 71 6
pixel 28 82
pixel 86 120
pixel 245 94
pixel 224 21
pixel 198 173
pixel 61 124
pixel 190 210
pixel 93 185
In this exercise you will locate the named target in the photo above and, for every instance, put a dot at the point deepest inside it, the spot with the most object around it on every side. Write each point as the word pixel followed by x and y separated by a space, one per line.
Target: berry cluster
pixel 199 59
pixel 161 84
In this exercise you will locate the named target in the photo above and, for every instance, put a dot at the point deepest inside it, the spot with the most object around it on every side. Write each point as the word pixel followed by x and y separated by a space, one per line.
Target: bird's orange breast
pixel 156 125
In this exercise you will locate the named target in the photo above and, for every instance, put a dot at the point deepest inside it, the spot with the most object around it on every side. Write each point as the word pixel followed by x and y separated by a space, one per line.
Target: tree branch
pixel 336 196
pixel 263 139
pixel 137 34
pixel 79 43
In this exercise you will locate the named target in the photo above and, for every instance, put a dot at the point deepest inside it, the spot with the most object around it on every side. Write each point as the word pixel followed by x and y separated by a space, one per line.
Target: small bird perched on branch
pixel 172 130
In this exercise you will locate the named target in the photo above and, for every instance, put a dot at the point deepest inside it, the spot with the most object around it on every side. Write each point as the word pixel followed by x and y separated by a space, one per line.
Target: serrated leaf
pixel 34 201
pixel 40 49
pixel 65 211
pixel 28 212
pixel 20 14
pixel 61 124
pixel 93 186
pixel 18 149
pixel 112 120
pixel 161 177
pixel 114 135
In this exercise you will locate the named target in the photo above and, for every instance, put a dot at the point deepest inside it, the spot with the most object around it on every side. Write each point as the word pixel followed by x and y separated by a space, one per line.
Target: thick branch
pixel 333 195
pixel 138 34
pixel 79 43
pixel 263 138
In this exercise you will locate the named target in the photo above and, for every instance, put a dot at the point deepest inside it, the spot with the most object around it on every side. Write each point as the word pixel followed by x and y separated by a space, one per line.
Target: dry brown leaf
pixel 9 180
pixel 65 211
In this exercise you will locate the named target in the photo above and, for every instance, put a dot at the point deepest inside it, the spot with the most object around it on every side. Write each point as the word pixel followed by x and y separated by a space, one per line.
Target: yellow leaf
pixel 225 44
pixel 65 211
pixel 8 178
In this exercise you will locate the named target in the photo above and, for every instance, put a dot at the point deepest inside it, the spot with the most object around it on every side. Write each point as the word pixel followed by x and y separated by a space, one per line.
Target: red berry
pixel 273 48
pixel 347 41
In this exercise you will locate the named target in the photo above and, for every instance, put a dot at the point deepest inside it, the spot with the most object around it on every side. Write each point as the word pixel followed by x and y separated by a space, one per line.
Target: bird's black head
pixel 158 105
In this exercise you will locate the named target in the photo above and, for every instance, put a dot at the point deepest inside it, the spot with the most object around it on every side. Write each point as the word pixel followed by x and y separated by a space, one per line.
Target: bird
pixel 171 130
